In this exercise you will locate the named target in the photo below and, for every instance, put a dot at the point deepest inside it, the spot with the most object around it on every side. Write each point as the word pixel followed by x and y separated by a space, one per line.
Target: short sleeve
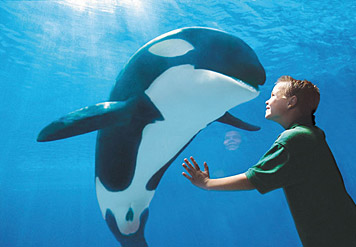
pixel 274 170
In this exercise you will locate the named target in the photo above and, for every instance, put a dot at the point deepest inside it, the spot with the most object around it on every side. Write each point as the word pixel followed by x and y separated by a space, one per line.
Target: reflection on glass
pixel 232 140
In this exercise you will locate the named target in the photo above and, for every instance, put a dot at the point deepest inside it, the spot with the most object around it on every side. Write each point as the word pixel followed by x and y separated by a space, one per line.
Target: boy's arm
pixel 202 178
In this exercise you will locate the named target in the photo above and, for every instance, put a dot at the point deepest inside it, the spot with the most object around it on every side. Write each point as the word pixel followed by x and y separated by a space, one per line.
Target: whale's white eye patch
pixel 171 48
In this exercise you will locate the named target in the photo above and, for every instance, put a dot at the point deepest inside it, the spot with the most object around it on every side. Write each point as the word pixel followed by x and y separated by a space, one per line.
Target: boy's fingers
pixel 195 164
pixel 206 167
pixel 189 170
pixel 185 175
pixel 188 163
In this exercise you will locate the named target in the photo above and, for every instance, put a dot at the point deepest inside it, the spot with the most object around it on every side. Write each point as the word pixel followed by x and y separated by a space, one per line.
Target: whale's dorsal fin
pixel 229 119
pixel 88 119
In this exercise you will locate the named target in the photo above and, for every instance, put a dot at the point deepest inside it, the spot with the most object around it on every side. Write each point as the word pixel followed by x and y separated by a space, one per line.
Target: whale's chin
pixel 183 91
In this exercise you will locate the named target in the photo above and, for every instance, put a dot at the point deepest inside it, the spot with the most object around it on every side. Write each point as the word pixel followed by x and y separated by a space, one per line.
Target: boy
pixel 301 163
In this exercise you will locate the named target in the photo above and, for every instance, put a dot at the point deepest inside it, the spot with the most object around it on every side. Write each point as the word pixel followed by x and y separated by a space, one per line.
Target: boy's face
pixel 277 105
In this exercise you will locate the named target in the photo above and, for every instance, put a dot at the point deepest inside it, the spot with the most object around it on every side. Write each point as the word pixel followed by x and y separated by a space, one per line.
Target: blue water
pixel 59 56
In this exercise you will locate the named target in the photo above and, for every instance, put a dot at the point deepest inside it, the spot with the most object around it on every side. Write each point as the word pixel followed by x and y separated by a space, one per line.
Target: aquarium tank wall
pixel 60 56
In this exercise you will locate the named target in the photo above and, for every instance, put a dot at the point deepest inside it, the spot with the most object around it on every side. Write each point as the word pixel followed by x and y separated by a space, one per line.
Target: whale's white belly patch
pixel 188 99
pixel 134 198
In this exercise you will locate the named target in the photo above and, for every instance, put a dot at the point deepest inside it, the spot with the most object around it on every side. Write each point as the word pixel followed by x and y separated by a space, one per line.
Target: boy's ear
pixel 292 101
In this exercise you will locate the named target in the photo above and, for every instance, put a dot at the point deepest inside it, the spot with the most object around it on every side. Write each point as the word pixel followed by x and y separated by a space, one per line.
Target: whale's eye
pixel 130 215
pixel 171 48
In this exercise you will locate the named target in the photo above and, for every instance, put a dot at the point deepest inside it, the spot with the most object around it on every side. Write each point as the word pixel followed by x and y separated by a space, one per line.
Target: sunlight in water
pixel 103 5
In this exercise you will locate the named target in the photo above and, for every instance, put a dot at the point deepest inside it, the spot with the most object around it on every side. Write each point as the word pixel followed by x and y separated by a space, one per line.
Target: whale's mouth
pixel 246 85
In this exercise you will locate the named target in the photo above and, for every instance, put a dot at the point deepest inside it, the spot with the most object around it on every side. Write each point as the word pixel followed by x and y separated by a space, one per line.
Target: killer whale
pixel 170 89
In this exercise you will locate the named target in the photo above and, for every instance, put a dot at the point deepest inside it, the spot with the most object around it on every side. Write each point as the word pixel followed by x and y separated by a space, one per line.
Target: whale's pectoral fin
pixel 227 118
pixel 146 110
pixel 88 119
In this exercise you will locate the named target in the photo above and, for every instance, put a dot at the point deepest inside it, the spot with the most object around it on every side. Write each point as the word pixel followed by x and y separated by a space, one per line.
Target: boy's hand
pixel 198 177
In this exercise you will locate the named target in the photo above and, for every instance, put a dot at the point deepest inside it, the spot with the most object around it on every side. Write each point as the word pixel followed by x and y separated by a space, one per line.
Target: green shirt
pixel 301 163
